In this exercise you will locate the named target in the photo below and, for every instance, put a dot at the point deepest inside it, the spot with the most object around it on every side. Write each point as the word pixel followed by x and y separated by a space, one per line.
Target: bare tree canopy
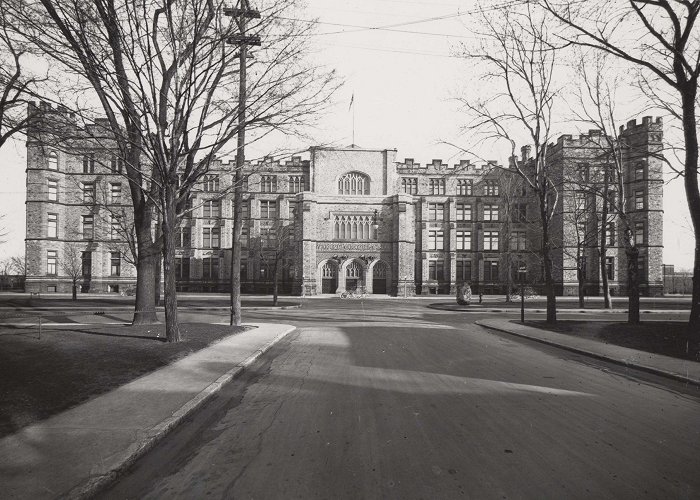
pixel 519 105
pixel 661 39
pixel 165 76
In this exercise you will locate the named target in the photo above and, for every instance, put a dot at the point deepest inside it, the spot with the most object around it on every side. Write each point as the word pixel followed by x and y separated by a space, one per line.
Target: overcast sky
pixel 403 79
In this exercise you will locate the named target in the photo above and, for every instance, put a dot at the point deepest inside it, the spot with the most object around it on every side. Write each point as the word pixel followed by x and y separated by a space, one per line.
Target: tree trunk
pixel 75 291
pixel 172 329
pixel 607 300
pixel 145 308
pixel 581 288
pixel 509 279
pixel 236 317
pixel 633 284
pixel 547 258
pixel 157 284
pixel 692 192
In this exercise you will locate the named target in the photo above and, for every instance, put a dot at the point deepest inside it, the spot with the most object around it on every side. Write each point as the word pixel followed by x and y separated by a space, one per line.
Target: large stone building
pixel 339 219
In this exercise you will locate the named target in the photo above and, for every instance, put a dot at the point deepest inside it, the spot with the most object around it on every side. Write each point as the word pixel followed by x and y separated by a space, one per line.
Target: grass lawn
pixel 660 337
pixel 69 365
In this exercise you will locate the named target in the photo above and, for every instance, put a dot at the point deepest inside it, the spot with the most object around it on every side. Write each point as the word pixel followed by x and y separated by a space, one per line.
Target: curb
pixel 94 485
pixel 649 369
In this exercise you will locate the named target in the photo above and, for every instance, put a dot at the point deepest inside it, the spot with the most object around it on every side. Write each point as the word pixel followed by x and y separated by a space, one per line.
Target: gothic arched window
pixel 353 183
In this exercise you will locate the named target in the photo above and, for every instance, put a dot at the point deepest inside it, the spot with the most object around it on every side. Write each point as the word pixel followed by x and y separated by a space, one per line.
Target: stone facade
pixel 342 219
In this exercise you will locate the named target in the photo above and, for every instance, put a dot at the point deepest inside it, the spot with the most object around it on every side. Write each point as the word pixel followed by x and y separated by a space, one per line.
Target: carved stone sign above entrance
pixel 348 247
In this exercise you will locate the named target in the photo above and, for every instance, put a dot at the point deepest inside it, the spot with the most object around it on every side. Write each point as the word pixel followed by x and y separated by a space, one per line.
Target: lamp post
pixel 521 278
pixel 405 286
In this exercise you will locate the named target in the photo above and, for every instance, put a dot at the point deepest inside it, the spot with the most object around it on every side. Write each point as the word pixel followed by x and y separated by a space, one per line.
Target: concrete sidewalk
pixel 678 369
pixel 77 452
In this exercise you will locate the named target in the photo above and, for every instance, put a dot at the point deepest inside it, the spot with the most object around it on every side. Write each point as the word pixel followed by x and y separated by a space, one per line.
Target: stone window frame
pixel 115 192
pixel 90 235
pixel 52 161
pixel 115 264
pixel 296 183
pixel 211 267
pixel 436 211
pixel 491 240
pixel 464 187
pixel 462 210
pixel 518 240
pixel 491 187
pixel 491 212
pixel 89 163
pixel 437 185
pixel 52 225
pixel 211 237
pixel 51 262
pixel 491 268
pixel 409 185
pixel 268 183
pixel 436 270
pixel 354 184
pixel 639 199
pixel 639 232
pixel 52 189
pixel 461 266
pixel 270 209
pixel 436 239
pixel 463 239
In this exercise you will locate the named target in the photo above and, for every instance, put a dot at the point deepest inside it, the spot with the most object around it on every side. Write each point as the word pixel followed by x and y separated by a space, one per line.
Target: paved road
pixel 379 400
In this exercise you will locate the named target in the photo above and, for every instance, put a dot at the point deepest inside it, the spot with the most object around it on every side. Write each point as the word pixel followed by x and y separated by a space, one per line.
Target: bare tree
pixel 522 99
pixel 72 265
pixel 163 72
pixel 665 51
pixel 597 96
pixel 19 265
pixel 274 250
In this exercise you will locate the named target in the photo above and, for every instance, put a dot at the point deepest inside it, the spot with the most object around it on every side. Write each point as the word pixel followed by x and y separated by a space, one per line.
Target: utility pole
pixel 241 14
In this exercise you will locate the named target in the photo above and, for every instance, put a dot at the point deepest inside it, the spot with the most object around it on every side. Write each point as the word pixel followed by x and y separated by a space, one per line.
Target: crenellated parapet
pixel 437 165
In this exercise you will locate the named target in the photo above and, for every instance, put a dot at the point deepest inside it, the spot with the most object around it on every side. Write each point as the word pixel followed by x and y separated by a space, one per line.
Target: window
pixel 409 185
pixel 88 192
pixel 353 183
pixel 582 173
pixel 490 212
pixel 610 234
pixel 464 212
pixel 245 211
pixel 639 199
pixel 436 270
pixel 518 240
pixel 244 237
pixel 115 261
pixel 490 240
pixel 212 209
pixel 211 183
pixel 639 172
pixel 296 183
pixel 292 210
pixel 212 237
pixel 610 267
pixel 354 227
pixel 183 237
pixel 464 240
pixel 435 240
pixel 464 270
pixel 53 190
pixel 491 187
pixel 116 165
pixel 52 227
pixel 53 161
pixel 580 199
pixel 51 262
pixel 464 187
pixel 436 211
pixel 86 260
pixel 89 163
pixel 210 268
pixel 268 209
pixel 182 268
pixel 639 233
pixel 88 227
pixel 268 183
pixel 268 237
pixel 437 186
pixel 114 227
pixel 115 192
pixel 491 270
pixel 519 213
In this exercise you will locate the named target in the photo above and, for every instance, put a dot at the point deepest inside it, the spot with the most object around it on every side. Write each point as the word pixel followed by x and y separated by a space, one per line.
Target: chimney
pixel 525 151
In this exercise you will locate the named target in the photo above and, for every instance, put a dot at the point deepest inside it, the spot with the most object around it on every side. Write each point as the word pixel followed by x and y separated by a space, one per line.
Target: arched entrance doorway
pixel 353 276
pixel 329 277
pixel 379 278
